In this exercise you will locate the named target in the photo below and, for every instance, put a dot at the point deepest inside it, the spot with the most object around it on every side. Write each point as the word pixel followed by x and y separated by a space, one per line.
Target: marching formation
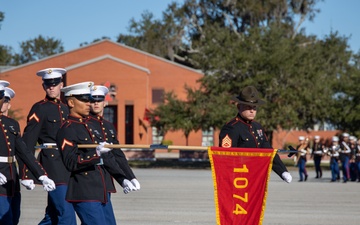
pixel 79 181
pixel 343 153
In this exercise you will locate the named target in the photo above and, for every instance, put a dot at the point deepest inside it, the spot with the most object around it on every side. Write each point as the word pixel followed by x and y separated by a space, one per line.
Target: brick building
pixel 136 79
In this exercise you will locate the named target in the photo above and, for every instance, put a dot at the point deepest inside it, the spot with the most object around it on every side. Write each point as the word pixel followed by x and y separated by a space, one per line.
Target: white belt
pixel 7 159
pixel 47 145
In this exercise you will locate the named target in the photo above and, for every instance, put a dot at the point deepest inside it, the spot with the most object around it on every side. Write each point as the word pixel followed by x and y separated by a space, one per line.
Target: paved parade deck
pixel 184 196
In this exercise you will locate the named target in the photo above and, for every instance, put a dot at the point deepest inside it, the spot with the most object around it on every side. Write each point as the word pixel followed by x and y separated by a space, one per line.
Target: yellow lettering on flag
pixel 240 177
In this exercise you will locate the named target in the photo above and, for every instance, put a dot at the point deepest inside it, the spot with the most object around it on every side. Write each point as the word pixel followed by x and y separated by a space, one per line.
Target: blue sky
pixel 78 21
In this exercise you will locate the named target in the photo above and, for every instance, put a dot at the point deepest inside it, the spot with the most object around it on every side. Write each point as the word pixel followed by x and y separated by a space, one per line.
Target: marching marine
pixel 333 152
pixel 14 148
pixel 303 148
pixel 88 186
pixel 105 131
pixel 352 165
pixel 357 159
pixel 43 122
pixel 344 155
pixel 317 154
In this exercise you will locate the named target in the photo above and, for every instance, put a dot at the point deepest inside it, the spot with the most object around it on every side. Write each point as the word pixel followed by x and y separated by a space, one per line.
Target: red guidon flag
pixel 240 177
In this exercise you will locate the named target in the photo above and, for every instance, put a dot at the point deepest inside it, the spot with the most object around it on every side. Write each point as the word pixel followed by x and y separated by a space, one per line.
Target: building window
pixel 110 114
pixel 156 136
pixel 157 95
pixel 207 137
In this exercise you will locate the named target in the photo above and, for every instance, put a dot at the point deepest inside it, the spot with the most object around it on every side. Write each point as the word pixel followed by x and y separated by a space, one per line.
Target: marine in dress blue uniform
pixel 344 155
pixel 43 122
pixel 357 159
pixel 88 185
pixel 352 164
pixel 105 130
pixel 303 148
pixel 14 148
pixel 333 152
pixel 317 154
pixel 244 132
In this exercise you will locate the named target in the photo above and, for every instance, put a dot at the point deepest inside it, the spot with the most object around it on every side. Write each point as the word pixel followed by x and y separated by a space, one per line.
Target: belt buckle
pixel 11 159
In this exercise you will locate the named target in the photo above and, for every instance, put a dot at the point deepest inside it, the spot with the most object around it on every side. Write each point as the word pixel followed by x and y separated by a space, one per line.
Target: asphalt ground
pixel 185 196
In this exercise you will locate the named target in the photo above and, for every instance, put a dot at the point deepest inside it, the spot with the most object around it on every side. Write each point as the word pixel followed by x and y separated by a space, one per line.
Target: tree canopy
pixel 304 80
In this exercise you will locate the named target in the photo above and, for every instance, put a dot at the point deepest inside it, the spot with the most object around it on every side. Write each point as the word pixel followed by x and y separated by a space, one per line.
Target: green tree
pixel 345 113
pixel 38 48
pixel 2 17
pixel 304 80
pixel 6 57
pixel 5 51
pixel 175 114
pixel 164 38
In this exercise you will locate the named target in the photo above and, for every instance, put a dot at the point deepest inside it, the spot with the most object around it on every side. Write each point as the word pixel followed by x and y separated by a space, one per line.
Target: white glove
pixel 100 149
pixel 3 179
pixel 128 186
pixel 287 177
pixel 28 183
pixel 136 183
pixel 48 184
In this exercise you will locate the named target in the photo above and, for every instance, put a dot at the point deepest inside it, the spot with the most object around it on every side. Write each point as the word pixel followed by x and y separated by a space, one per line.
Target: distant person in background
pixel 303 149
pixel 357 159
pixel 345 153
pixel 244 132
pixel 333 152
pixel 317 154
pixel 352 164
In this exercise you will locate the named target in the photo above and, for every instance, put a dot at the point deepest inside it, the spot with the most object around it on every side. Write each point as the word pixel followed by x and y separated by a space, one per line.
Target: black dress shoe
pixel 300 180
pixel 306 176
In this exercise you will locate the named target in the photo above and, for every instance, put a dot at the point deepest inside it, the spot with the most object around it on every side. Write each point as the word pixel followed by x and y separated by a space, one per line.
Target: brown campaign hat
pixel 249 96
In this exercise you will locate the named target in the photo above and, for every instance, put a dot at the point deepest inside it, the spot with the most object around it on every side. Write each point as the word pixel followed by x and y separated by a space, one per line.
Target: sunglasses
pixel 83 98
pixel 250 107
pixel 97 98
pixel 51 85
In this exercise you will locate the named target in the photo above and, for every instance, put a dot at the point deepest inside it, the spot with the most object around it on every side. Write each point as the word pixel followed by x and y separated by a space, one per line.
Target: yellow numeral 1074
pixel 240 183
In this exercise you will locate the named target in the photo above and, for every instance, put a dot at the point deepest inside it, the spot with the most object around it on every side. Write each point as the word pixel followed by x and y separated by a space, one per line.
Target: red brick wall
pixel 134 73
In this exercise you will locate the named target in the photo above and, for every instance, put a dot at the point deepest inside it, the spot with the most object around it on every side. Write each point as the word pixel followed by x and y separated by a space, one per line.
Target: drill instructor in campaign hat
pixel 243 131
